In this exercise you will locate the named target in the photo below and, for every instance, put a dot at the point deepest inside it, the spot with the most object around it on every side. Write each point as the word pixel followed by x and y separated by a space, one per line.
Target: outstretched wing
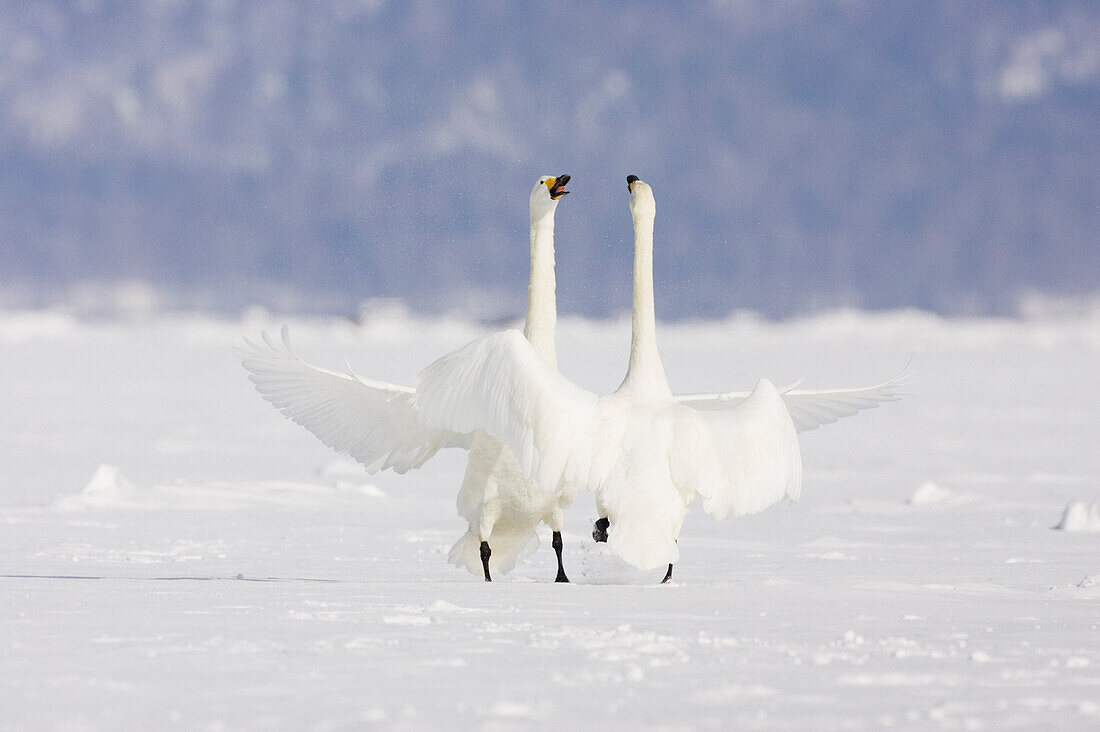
pixel 374 422
pixel 747 455
pixel 810 408
pixel 501 384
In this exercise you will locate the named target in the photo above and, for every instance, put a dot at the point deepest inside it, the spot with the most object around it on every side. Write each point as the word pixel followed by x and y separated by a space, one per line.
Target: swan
pixel 376 422
pixel 644 453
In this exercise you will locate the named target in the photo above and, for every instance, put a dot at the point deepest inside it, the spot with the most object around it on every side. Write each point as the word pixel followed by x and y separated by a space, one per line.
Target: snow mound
pixel 1090 581
pixel 1080 516
pixel 367 489
pixel 928 493
pixel 596 565
pixel 108 488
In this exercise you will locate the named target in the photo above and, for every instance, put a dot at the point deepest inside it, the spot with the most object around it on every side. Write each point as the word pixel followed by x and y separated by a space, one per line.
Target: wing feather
pixel 501 384
pixel 811 408
pixel 372 421
pixel 751 459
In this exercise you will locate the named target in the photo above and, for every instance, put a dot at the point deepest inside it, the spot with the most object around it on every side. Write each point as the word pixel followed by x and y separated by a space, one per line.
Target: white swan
pixel 376 423
pixel 501 505
pixel 644 452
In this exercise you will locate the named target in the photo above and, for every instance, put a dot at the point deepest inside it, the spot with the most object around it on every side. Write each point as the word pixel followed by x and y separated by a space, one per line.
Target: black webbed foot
pixel 556 542
pixel 486 552
pixel 668 575
pixel 599 530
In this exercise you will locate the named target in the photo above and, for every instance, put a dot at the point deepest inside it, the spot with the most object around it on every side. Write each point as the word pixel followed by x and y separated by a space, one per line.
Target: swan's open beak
pixel 557 186
pixel 630 181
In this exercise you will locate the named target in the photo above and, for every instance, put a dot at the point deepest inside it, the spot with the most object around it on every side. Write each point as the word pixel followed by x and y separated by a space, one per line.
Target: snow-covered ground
pixel 224 570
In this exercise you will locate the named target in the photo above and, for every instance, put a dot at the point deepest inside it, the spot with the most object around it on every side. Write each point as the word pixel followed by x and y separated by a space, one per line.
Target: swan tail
pixel 647 545
pixel 645 521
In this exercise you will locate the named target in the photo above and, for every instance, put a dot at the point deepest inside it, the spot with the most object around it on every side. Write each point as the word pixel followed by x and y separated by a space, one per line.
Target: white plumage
pixel 645 457
pixel 372 421
pixel 503 507
pixel 810 408
pixel 645 453
pixel 376 423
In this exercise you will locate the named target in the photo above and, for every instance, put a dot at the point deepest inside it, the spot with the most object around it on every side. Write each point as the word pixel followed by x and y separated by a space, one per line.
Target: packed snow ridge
pixel 1080 516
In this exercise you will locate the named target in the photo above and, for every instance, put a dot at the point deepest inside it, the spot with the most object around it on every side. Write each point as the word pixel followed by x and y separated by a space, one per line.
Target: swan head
pixel 545 195
pixel 641 197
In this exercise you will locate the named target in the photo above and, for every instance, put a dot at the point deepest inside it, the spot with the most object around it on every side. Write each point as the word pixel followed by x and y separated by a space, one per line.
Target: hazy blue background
pixel 309 155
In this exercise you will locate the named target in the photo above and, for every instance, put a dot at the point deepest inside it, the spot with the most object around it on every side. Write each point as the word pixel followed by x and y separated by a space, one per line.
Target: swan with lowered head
pixel 645 453
pixel 376 422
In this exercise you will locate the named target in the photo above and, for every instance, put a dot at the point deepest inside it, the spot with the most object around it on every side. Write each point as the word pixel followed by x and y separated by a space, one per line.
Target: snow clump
pixel 107 488
pixel 1080 516
pixel 929 492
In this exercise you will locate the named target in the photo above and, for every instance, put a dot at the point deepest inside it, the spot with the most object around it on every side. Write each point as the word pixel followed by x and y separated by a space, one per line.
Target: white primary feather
pixel 643 454
pixel 811 408
pixel 372 421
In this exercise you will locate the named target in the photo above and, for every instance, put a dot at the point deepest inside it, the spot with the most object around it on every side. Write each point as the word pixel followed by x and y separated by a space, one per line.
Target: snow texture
pixel 174 553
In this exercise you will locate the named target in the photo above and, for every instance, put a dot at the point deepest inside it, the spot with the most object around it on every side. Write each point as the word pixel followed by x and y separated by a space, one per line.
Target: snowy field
pixel 224 570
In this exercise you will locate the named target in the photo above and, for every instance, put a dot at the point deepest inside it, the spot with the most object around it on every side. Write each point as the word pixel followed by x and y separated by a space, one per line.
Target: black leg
pixel 599 530
pixel 485 554
pixel 557 549
pixel 668 575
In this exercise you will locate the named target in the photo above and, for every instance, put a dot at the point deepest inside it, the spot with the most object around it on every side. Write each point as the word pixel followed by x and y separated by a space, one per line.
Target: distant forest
pixel 309 156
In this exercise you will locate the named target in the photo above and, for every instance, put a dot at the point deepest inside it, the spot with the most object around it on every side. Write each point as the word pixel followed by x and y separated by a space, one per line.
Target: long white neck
pixel 542 308
pixel 645 372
